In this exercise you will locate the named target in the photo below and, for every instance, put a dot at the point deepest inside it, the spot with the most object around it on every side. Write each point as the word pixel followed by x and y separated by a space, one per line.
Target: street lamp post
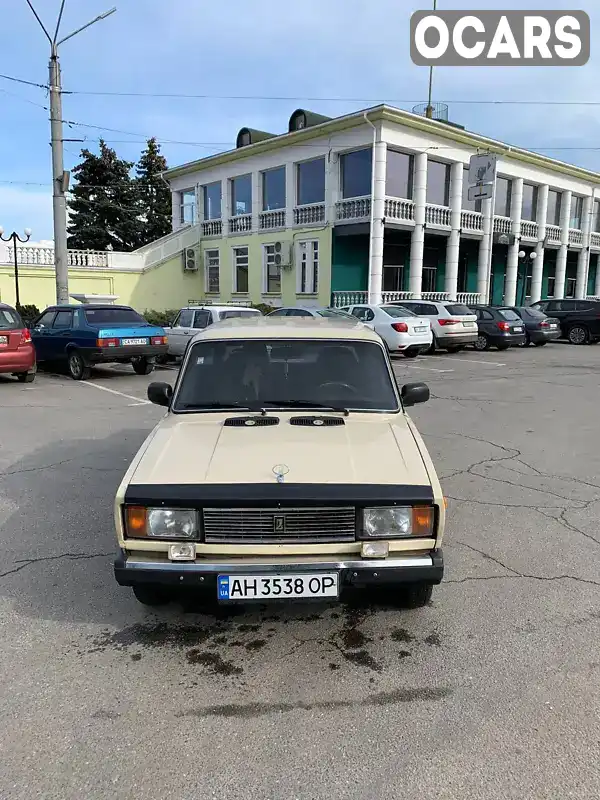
pixel 14 237
pixel 525 259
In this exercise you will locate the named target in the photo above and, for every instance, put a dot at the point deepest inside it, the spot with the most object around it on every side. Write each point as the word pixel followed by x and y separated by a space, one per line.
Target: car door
pixel 588 312
pixel 59 335
pixel 562 310
pixel 429 310
pixel 40 334
pixel 179 335
pixel 365 315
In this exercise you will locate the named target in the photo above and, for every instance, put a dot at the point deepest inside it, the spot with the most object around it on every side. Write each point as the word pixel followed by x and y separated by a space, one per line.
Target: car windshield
pixel 509 314
pixel 458 310
pixel 280 373
pixel 398 311
pixel 334 312
pixel 10 320
pixel 113 316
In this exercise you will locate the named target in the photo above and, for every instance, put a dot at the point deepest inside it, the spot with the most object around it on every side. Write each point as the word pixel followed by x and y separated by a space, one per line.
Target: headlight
pixel 398 521
pixel 162 523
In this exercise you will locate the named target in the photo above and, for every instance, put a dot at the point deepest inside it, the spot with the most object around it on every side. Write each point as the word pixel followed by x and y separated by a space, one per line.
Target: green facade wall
pixel 350 263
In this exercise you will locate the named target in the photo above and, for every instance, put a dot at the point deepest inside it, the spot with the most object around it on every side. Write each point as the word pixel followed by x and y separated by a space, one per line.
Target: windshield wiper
pixel 225 406
pixel 304 404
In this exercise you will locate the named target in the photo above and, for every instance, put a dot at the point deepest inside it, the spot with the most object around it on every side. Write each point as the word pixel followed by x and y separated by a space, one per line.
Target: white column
pixel 417 241
pixel 512 261
pixel 453 244
pixel 483 259
pixel 175 210
pixel 561 258
pixel 199 204
pixel 332 186
pixel 537 269
pixel 290 193
pixel 256 199
pixel 377 230
pixel 225 192
pixel 597 286
pixel 582 260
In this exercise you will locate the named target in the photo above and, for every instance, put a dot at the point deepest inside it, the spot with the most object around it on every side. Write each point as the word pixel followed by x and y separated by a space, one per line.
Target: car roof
pixel 288 328
pixel 215 307
pixel 86 306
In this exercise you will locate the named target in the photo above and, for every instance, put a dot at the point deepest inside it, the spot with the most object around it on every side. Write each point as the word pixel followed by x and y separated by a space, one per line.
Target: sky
pixel 330 56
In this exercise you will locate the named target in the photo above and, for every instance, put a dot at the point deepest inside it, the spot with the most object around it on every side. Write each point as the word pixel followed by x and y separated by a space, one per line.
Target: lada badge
pixel 280 471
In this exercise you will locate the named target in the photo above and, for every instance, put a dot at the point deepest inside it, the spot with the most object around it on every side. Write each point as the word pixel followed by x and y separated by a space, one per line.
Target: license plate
pixel 278 587
pixel 3 339
pixel 420 328
pixel 553 325
pixel 468 324
pixel 518 330
pixel 126 342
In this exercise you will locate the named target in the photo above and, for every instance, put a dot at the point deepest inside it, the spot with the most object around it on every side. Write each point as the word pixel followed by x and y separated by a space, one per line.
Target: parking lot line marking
pixel 429 369
pixel 475 361
pixel 138 400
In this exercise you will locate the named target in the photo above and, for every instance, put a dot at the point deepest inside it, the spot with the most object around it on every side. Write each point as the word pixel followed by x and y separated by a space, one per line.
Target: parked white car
pixel 402 330
pixel 193 319
pixel 454 325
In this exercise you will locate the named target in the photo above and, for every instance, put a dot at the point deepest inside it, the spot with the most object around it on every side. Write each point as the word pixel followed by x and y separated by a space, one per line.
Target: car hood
pixel 199 449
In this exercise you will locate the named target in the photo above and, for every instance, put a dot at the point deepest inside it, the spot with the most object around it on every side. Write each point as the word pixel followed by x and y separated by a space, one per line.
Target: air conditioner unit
pixel 190 261
pixel 283 255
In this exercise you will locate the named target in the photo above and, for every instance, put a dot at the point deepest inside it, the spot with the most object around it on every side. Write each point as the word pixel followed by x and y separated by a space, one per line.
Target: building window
pixel 576 212
pixel 241 195
pixel 399 174
pixel 503 197
pixel 310 177
pixel 273 185
pixel 468 205
pixel 429 279
pixel 271 271
pixel 596 217
pixel 554 207
pixel 211 196
pixel 570 285
pixel 438 183
pixel 529 208
pixel 187 207
pixel 211 271
pixel 240 270
pixel 356 173
pixel 308 268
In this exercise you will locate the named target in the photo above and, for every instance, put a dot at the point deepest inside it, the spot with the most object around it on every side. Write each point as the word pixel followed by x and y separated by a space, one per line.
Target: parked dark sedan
pixel 498 327
pixel 579 319
pixel 539 329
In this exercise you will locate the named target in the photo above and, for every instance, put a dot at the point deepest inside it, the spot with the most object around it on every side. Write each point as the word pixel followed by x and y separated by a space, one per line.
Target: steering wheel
pixel 347 386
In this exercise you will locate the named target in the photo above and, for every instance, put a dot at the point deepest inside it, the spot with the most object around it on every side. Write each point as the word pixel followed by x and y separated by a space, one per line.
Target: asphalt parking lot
pixel 493 691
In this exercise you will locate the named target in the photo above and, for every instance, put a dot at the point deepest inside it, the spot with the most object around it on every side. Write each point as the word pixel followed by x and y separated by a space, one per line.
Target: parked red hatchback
pixel 17 353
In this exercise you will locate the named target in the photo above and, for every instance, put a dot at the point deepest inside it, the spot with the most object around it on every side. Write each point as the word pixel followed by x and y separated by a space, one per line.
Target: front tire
pixel 26 377
pixel 540 344
pixel 142 365
pixel 411 353
pixel 78 369
pixel 150 595
pixel 432 347
pixel 502 346
pixel 417 595
pixel 482 343
pixel 578 334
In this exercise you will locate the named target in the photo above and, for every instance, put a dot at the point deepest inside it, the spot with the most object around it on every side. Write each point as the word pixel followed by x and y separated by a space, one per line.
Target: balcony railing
pixel 529 230
pixel 553 233
pixel 44 257
pixel 437 215
pixel 312 214
pixel 240 224
pixel 575 237
pixel 267 220
pixel 471 221
pixel 212 227
pixel 340 299
pixel 359 208
pixel 399 210
pixel 595 241
pixel 502 224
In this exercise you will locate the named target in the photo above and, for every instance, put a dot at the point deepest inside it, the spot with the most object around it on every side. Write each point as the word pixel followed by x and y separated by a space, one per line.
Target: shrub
pixel 264 308
pixel 161 318
pixel 28 313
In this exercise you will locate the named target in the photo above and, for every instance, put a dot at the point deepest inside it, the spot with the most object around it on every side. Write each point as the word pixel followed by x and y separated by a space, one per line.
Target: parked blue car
pixel 84 335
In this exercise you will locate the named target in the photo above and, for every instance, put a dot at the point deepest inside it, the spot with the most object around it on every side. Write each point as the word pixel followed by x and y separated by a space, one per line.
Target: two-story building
pixel 376 202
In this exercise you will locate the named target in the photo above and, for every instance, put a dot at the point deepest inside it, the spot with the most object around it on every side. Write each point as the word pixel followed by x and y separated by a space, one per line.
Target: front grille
pixel 279 525
pixel 241 422
pixel 317 421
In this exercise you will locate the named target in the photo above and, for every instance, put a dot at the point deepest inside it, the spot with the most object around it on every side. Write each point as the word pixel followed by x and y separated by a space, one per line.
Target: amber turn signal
pixel 422 520
pixel 135 520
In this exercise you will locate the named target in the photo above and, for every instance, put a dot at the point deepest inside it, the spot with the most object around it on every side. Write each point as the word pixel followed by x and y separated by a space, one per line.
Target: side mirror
pixel 413 393
pixel 160 393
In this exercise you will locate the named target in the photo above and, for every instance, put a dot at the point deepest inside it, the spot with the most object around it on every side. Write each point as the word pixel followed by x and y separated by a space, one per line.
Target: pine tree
pixel 104 207
pixel 154 195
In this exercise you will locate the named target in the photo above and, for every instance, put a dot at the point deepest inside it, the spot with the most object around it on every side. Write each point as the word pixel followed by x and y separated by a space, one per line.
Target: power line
pixel 21 80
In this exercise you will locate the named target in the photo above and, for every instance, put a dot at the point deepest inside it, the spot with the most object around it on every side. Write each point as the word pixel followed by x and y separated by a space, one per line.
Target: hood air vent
pixel 317 422
pixel 250 422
